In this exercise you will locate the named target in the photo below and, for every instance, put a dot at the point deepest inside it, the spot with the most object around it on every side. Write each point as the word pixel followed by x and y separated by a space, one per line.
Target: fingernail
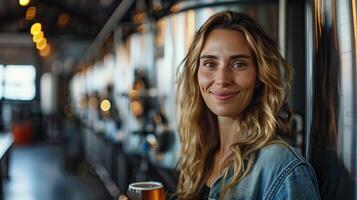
pixel 122 197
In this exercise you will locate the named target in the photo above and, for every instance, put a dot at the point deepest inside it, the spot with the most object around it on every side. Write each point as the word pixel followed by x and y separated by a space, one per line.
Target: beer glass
pixel 150 190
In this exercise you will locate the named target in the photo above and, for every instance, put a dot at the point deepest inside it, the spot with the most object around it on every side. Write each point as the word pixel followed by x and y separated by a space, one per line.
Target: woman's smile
pixel 224 96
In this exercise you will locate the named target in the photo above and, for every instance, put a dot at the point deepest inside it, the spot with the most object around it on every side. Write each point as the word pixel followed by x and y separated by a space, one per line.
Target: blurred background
pixel 87 91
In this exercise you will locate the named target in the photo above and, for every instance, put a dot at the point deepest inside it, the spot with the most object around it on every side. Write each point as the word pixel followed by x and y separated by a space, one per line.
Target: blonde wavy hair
pixel 265 117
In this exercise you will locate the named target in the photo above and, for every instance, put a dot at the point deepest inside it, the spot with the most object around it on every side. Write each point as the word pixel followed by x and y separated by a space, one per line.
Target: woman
pixel 232 95
pixel 232 99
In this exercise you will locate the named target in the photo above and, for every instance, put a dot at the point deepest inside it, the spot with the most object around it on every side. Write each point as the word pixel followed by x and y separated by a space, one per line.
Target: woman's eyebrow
pixel 239 56
pixel 208 57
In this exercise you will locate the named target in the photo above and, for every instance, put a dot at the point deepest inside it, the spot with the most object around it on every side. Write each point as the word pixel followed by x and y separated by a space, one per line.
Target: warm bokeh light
pixel 63 20
pixel 142 28
pixel 46 51
pixel 35 28
pixel 105 105
pixel 175 8
pixel 37 37
pixel 157 7
pixel 31 13
pixel 136 108
pixel 40 45
pixel 139 18
pixel 24 2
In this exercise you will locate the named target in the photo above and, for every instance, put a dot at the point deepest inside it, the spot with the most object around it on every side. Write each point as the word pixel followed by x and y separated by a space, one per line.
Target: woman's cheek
pixel 204 79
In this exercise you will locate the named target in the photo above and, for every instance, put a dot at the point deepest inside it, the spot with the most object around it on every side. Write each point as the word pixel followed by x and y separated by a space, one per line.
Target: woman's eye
pixel 209 65
pixel 238 65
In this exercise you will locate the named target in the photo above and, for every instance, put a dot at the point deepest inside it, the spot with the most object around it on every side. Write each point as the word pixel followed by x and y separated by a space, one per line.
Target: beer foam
pixel 151 185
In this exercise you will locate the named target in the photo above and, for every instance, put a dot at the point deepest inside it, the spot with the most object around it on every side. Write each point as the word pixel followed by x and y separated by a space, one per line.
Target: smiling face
pixel 226 73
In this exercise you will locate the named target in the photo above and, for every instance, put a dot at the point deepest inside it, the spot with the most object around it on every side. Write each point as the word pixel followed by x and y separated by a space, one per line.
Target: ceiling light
pixel 35 28
pixel 46 51
pixel 63 20
pixel 41 44
pixel 37 37
pixel 105 105
pixel 24 2
pixel 31 13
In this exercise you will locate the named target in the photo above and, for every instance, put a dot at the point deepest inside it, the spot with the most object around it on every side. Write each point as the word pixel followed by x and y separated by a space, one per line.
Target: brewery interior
pixel 88 91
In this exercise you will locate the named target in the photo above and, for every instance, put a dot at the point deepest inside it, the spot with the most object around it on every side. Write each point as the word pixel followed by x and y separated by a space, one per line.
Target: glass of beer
pixel 150 190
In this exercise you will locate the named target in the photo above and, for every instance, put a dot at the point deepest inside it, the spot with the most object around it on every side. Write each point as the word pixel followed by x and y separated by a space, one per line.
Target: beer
pixel 146 191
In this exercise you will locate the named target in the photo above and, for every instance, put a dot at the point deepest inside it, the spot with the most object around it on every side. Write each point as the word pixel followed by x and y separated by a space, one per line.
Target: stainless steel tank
pixel 331 95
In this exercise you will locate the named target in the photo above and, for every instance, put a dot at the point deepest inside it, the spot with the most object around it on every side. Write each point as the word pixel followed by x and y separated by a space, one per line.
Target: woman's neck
pixel 228 133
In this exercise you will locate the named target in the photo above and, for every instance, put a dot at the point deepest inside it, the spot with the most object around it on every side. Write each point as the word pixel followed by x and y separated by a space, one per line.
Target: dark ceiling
pixel 84 17
pixel 72 25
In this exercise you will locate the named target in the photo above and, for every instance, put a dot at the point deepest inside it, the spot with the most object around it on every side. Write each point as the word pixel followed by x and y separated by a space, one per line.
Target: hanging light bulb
pixel 38 36
pixel 46 51
pixel 105 105
pixel 24 2
pixel 31 13
pixel 41 44
pixel 35 28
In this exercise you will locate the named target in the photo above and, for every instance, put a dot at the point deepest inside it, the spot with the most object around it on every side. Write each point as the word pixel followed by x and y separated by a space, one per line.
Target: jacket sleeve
pixel 300 183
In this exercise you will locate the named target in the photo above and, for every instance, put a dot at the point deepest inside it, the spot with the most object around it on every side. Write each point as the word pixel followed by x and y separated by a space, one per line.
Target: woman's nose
pixel 223 76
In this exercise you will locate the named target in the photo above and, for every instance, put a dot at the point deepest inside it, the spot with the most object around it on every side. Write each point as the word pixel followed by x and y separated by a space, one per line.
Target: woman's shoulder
pixel 279 171
pixel 282 170
pixel 279 154
pixel 279 168
pixel 279 159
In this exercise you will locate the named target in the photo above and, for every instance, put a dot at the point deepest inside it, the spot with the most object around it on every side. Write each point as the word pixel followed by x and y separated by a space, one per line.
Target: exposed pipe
pixel 107 29
pixel 309 77
pixel 282 26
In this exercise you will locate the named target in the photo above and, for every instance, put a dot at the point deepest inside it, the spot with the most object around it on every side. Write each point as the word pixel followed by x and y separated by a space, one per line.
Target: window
pixel 1 80
pixel 18 82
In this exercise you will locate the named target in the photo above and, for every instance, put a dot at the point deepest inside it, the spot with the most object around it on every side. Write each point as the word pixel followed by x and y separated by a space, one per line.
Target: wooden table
pixel 6 142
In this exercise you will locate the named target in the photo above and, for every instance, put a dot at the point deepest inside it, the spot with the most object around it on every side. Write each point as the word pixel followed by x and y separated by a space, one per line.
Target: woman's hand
pixel 123 197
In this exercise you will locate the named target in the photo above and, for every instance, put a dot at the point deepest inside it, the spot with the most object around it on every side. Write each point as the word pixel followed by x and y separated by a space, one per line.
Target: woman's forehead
pixel 220 41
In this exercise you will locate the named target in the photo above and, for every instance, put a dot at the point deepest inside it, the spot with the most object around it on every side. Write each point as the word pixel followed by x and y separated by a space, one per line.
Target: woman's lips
pixel 222 96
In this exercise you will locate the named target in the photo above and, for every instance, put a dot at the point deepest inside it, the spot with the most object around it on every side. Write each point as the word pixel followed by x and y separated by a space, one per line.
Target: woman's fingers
pixel 123 197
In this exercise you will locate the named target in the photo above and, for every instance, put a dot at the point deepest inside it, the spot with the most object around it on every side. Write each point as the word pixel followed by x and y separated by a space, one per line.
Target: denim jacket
pixel 279 172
